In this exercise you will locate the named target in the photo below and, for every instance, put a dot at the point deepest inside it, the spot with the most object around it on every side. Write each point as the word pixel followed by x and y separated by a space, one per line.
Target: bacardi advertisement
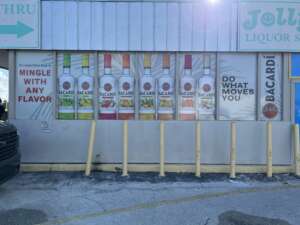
pixel 166 97
pixel 34 85
pixel 237 86
pixel 270 86
pixel 206 97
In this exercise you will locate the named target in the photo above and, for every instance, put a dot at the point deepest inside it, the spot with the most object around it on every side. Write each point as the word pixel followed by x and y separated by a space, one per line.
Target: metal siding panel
pixel 58 25
pixel 122 26
pixel 84 25
pixel 173 27
pixel 135 26
pixel 211 38
pixel 160 26
pixel 70 25
pixel 47 25
pixel 198 27
pixel 147 26
pixel 186 26
pixel 97 26
pixel 224 24
pixel 234 26
pixel 109 26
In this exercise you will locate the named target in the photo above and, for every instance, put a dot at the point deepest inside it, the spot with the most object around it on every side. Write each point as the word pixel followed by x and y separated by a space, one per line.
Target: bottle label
pixel 166 95
pixel 187 95
pixel 66 95
pixel 147 94
pixel 107 95
pixel 126 94
pixel 206 96
pixel 85 96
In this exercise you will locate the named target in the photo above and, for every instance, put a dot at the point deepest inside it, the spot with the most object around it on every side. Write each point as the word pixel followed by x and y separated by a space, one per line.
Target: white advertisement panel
pixel 237 86
pixel 19 24
pixel 269 26
pixel 34 85
pixel 270 86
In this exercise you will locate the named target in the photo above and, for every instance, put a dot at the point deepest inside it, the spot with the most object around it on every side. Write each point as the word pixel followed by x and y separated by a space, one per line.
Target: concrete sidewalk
pixel 177 199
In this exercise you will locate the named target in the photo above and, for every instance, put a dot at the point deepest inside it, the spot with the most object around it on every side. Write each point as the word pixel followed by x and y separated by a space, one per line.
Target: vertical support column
pixel 90 149
pixel 162 149
pixel 198 150
pixel 297 150
pixel 233 151
pixel 125 148
pixel 269 150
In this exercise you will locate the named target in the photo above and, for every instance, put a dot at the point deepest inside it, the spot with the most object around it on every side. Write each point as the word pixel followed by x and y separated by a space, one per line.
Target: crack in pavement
pixel 181 200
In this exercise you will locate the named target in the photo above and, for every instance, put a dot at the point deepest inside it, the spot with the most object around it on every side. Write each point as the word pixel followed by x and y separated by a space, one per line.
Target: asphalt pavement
pixel 147 199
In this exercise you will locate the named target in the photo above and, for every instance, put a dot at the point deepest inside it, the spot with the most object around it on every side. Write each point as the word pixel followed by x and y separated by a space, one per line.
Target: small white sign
pixel 19 24
pixel 269 26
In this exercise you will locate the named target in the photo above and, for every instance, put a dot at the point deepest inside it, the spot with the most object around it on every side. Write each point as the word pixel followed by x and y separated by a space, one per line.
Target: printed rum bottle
pixel 66 83
pixel 85 91
pixel 107 92
pixel 166 92
pixel 147 92
pixel 126 91
pixel 206 93
pixel 187 91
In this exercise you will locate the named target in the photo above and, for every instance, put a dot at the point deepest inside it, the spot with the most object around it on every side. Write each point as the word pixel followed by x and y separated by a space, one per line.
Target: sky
pixel 3 84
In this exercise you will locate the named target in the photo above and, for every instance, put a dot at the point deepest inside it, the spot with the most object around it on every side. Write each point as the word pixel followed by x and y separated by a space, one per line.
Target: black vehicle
pixel 9 153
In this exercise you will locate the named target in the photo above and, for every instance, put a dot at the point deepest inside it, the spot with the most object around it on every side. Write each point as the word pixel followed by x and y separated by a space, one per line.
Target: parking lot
pixel 182 199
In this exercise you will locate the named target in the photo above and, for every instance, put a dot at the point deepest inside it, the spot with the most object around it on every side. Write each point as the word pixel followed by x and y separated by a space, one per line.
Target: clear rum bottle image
pixel 187 91
pixel 166 92
pixel 147 92
pixel 107 92
pixel 85 91
pixel 126 91
pixel 66 96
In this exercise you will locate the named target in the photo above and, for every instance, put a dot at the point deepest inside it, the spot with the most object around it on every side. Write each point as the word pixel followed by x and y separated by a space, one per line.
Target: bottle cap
pixel 166 61
pixel 147 61
pixel 85 60
pixel 67 60
pixel 126 61
pixel 188 62
pixel 107 60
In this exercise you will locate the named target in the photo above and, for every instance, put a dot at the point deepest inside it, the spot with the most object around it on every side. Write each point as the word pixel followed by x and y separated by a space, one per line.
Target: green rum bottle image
pixel 126 91
pixel 107 92
pixel 166 92
pixel 147 93
pixel 85 91
pixel 187 91
pixel 206 92
pixel 66 96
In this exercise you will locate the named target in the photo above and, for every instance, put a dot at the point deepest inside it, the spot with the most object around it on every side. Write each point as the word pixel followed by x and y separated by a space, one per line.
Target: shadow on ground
pixel 22 216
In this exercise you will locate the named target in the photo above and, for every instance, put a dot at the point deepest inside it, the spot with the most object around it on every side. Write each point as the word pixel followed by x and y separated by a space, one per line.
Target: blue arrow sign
pixel 20 29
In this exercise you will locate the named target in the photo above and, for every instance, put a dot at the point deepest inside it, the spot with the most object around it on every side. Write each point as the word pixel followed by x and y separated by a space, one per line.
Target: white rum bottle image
pixel 126 91
pixel 206 93
pixel 187 91
pixel 66 96
pixel 107 92
pixel 147 92
pixel 85 91
pixel 166 92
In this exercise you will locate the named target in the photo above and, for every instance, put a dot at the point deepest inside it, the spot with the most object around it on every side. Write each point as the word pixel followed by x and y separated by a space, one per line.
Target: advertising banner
pixel 269 26
pixel 270 86
pixel 34 85
pixel 237 83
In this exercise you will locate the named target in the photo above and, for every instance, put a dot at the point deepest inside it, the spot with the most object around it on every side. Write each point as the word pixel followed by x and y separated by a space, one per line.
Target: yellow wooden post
pixel 269 150
pixel 233 151
pixel 296 150
pixel 90 149
pixel 198 150
pixel 125 148
pixel 162 149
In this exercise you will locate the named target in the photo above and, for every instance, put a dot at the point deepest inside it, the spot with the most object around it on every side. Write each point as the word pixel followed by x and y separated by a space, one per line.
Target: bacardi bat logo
pixel 187 86
pixel 66 85
pixel 85 85
pixel 107 87
pixel 126 86
pixel 147 86
pixel 206 88
pixel 270 110
pixel 166 86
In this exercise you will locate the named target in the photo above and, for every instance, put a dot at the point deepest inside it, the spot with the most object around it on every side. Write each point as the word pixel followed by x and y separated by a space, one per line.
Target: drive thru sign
pixel 19 24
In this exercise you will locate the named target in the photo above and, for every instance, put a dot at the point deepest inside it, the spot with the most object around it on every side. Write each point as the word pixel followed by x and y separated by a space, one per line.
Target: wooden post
pixel 233 151
pixel 90 149
pixel 269 150
pixel 296 150
pixel 125 148
pixel 162 149
pixel 198 150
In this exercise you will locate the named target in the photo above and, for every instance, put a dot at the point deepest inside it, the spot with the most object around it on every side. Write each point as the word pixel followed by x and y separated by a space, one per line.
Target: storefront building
pixel 180 62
